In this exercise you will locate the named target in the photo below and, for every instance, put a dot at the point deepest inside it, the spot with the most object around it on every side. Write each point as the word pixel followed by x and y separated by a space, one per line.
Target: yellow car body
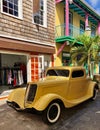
pixel 67 85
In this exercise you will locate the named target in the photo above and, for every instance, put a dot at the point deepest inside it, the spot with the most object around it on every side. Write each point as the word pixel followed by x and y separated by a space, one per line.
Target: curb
pixel 3 97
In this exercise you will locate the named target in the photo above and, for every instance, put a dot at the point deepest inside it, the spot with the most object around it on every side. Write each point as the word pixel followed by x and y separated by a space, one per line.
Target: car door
pixel 77 85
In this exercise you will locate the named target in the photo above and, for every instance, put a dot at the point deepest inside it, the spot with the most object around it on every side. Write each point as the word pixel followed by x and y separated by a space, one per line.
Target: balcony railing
pixel 73 31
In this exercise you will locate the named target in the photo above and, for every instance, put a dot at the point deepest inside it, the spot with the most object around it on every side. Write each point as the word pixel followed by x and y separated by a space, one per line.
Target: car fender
pixel 91 87
pixel 42 103
pixel 17 96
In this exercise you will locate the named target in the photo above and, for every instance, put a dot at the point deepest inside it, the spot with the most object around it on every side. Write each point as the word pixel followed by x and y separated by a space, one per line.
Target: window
pixel 82 27
pixel 70 24
pixel 57 72
pixel 93 31
pixel 70 17
pixel 77 73
pixel 39 12
pixel 12 7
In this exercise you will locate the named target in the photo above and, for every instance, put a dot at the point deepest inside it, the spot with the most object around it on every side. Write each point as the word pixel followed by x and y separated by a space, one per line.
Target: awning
pixel 18 45
pixel 67 38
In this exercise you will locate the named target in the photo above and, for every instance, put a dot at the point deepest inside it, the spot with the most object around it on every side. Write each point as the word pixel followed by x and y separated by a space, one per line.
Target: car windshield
pixel 58 72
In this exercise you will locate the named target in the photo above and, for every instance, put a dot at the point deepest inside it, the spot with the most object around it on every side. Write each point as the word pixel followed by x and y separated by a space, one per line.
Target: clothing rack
pixel 11 76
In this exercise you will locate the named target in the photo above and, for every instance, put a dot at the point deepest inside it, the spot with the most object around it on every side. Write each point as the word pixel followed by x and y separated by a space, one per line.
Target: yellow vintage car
pixel 62 87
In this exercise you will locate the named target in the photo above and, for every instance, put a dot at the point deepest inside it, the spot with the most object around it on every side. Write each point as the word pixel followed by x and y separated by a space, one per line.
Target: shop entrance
pixel 13 70
pixel 39 64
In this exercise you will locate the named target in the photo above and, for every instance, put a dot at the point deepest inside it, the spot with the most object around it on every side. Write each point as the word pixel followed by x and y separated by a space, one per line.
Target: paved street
pixel 85 116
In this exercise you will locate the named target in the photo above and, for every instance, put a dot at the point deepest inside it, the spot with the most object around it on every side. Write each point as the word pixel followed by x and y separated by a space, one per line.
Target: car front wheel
pixel 52 113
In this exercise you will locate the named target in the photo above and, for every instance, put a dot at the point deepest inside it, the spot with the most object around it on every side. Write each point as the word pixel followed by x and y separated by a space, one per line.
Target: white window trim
pixel 20 10
pixel 44 18
pixel 28 68
pixel 45 15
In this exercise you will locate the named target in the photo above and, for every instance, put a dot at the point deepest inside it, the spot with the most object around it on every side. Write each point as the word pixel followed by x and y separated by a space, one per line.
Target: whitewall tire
pixel 52 113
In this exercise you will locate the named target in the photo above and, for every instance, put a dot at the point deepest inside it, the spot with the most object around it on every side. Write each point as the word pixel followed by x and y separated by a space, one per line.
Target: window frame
pixel 44 15
pixel 20 10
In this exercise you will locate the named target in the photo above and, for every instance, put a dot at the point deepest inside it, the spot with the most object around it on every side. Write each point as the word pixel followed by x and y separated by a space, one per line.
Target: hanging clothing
pixel 9 76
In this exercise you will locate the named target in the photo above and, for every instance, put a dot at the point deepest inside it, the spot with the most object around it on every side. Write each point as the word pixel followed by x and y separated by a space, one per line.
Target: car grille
pixel 31 92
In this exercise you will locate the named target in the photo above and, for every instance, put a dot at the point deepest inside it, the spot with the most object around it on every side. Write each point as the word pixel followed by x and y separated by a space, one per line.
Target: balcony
pixel 73 31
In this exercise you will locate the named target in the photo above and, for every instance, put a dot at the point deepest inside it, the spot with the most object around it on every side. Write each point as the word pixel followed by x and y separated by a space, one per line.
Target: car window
pixel 58 72
pixel 77 73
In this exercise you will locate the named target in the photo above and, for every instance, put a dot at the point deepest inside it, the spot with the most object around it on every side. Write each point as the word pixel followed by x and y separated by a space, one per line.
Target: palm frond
pixel 90 49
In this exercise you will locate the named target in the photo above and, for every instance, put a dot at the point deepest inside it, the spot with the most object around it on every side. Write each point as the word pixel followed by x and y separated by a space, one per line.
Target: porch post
pixel 87 27
pixel 99 28
pixel 57 1
pixel 86 21
pixel 52 60
pixel 66 17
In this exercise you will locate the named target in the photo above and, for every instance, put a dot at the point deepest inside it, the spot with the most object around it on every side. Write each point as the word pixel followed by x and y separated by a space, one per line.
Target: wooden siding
pixel 25 28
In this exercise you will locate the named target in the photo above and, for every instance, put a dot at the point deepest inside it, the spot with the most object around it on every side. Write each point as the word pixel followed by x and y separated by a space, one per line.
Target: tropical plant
pixel 89 50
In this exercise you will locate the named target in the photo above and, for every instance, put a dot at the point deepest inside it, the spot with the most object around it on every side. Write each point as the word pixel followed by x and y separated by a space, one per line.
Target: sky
pixel 95 4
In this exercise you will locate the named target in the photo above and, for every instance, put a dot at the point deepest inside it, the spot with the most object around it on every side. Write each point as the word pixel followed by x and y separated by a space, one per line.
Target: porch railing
pixel 73 31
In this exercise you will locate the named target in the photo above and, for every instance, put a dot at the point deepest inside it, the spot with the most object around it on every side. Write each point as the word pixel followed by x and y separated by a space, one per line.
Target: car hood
pixel 52 80
pixel 55 78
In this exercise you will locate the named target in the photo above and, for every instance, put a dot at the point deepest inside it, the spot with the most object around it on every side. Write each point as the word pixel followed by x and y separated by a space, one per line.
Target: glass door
pixel 39 64
pixel 41 67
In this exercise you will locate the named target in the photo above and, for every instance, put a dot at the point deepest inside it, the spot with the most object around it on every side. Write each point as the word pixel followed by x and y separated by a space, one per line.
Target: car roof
pixel 66 67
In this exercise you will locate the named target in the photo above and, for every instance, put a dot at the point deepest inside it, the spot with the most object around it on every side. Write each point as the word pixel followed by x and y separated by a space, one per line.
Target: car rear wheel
pixel 52 113
pixel 95 92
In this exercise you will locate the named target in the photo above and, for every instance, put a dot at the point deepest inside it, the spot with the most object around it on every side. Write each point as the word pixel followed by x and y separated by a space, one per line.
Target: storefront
pixel 22 62
pixel 13 68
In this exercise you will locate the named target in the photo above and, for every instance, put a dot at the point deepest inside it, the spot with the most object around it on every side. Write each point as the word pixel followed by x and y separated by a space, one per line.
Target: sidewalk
pixel 3 96
pixel 5 90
